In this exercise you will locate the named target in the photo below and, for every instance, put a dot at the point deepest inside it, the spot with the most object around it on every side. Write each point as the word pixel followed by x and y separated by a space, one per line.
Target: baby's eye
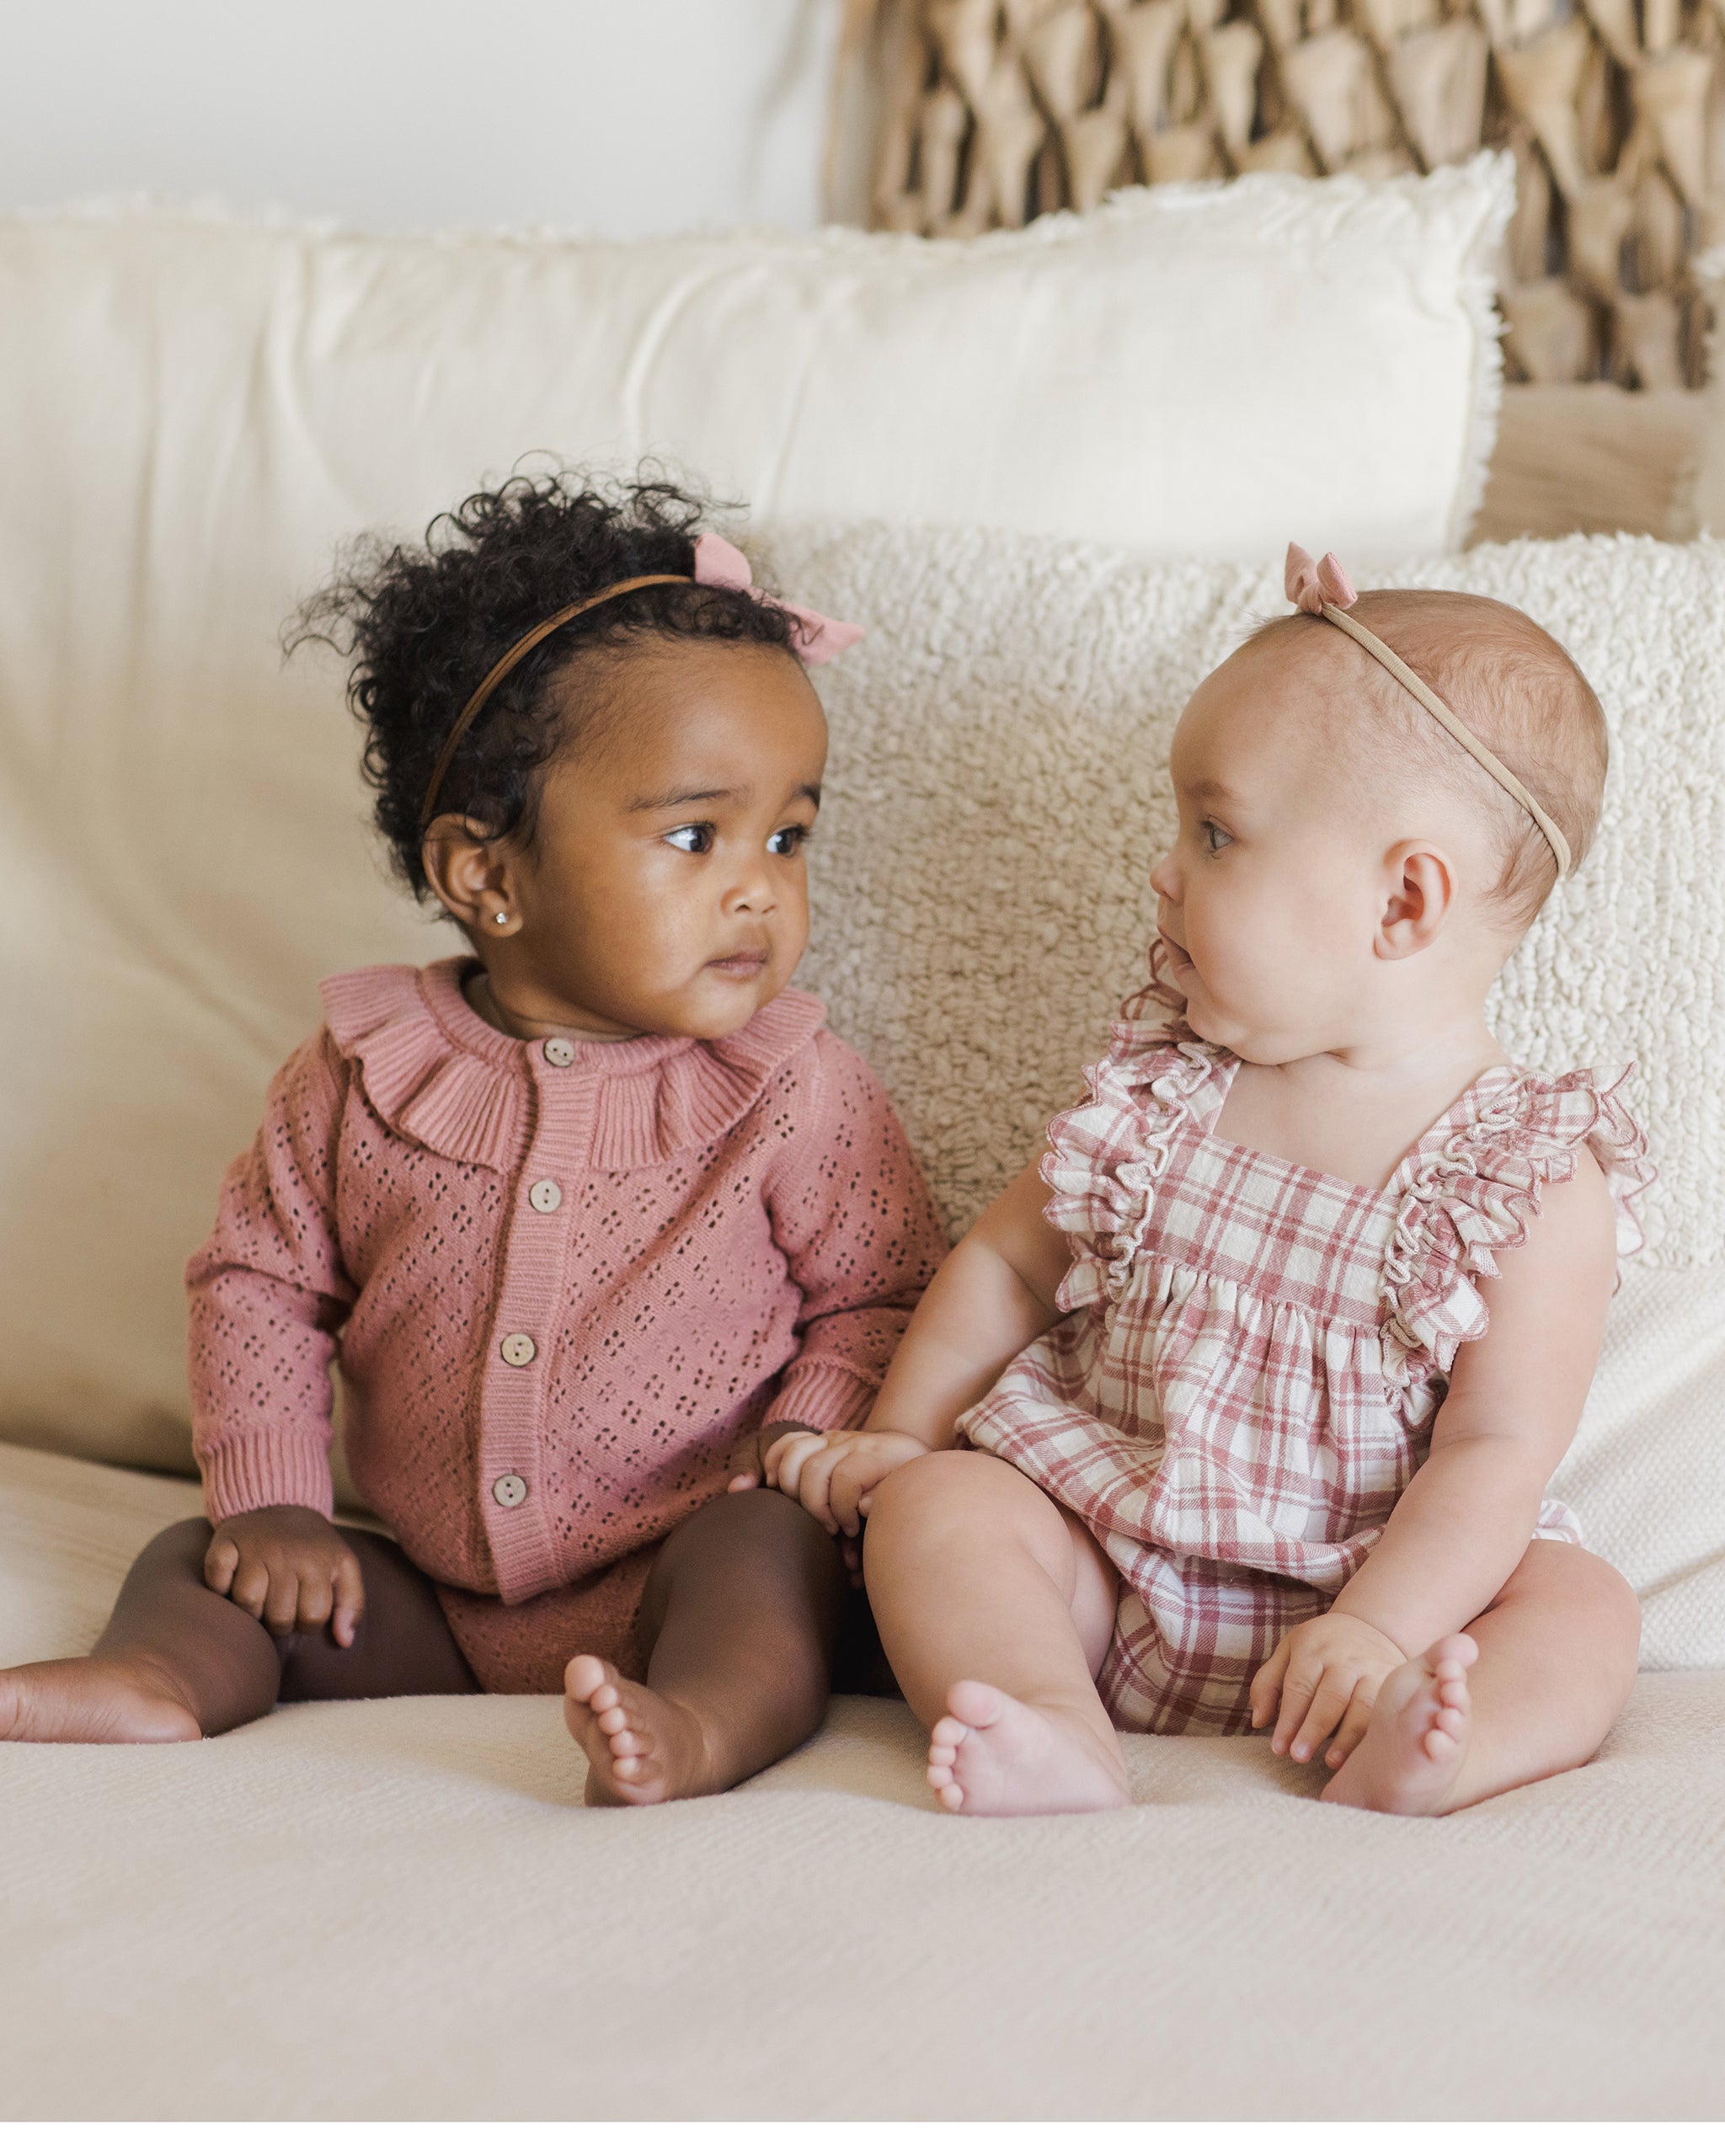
pixel 790 842
pixel 1214 836
pixel 691 838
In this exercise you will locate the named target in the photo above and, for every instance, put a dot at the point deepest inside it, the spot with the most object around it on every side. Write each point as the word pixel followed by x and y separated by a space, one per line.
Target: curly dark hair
pixel 424 624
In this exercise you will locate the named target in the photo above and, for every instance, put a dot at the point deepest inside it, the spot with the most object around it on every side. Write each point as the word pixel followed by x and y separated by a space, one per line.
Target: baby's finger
pixel 1266 1686
pixel 317 1598
pixel 1328 1705
pixel 845 1490
pixel 775 1453
pixel 349 1598
pixel 282 1602
pixel 1354 1725
pixel 1299 1680
pixel 792 1462
pixel 220 1563
pixel 251 1583
pixel 815 1484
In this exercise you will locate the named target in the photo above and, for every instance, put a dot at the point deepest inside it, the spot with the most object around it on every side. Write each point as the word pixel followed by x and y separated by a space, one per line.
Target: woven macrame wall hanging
pixel 985 113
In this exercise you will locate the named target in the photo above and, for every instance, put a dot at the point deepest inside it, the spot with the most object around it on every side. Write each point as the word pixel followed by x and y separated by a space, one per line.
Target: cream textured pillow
pixel 998 791
pixel 1105 377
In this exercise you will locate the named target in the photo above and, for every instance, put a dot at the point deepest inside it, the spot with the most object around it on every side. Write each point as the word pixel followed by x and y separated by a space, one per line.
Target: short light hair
pixel 1518 689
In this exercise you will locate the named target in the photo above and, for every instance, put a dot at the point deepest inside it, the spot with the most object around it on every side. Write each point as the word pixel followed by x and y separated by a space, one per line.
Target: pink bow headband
pixel 1326 588
pixel 816 636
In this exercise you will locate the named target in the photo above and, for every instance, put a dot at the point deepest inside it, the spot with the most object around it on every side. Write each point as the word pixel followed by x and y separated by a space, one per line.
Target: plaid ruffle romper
pixel 1256 1352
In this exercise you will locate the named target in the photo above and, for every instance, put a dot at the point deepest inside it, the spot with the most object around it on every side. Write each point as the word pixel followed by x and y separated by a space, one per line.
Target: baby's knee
pixel 929 1491
pixel 756 1521
pixel 179 1549
pixel 1585 1599
pixel 1620 1610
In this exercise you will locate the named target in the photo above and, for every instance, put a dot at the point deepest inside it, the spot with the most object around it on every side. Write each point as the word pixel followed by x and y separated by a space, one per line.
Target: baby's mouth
pixel 739 965
pixel 1176 952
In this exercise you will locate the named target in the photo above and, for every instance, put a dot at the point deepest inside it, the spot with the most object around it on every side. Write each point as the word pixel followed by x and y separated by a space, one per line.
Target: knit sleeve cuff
pixel 265 1467
pixel 826 1396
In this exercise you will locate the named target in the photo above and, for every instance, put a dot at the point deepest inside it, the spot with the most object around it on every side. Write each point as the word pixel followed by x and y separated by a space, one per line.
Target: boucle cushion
pixel 997 795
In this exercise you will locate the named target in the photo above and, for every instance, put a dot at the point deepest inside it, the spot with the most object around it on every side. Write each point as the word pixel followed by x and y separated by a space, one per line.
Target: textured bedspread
pixel 401 1909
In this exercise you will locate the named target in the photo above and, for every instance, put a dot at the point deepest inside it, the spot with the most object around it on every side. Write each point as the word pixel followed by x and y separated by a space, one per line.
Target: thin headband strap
pixel 511 659
pixel 1446 719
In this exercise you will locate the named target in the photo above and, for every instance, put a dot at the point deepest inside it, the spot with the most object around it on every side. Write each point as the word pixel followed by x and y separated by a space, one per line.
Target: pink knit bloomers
pixel 561 1278
pixel 1256 1351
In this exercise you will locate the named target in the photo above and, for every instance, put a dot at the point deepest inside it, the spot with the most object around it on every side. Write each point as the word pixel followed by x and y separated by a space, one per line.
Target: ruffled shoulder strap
pixel 1473 1188
pixel 422 1084
pixel 1107 1155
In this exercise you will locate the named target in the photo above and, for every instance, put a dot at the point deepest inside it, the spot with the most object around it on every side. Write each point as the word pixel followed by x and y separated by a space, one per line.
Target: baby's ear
pixel 1420 894
pixel 471 877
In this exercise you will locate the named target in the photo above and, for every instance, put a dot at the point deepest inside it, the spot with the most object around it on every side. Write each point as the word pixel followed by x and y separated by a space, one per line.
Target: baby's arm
pixel 268 1292
pixel 1465 1521
pixel 992 1298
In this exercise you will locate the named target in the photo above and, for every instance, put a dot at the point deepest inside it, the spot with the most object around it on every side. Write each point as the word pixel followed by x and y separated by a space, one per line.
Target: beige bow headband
pixel 1325 587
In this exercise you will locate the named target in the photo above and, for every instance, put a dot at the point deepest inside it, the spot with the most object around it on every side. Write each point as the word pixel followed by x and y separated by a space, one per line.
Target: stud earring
pixel 501 918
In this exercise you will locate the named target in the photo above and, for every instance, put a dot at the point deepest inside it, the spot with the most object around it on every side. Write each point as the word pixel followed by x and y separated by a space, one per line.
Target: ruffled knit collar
pixel 437 1073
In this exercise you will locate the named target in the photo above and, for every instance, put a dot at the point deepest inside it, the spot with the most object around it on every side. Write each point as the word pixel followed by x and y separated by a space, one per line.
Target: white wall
pixel 615 116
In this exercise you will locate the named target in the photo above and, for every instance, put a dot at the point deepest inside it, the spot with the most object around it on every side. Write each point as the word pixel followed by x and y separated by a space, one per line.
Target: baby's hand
pixel 287 1565
pixel 750 1453
pixel 832 1473
pixel 1325 1672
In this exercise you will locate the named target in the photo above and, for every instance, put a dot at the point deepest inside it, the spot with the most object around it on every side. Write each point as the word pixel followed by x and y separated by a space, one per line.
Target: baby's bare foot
pixel 996 1756
pixel 641 1747
pixel 1414 1746
pixel 107 1698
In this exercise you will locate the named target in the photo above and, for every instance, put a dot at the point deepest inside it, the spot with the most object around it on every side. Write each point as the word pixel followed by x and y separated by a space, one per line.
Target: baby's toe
pixel 953 1797
pixel 1450 1720
pixel 613 1720
pixel 625 1744
pixel 1453 1693
pixel 584 1677
pixel 949 1731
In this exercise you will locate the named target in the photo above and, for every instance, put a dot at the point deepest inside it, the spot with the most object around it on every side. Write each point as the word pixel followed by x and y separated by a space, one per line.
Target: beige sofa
pixel 402 1909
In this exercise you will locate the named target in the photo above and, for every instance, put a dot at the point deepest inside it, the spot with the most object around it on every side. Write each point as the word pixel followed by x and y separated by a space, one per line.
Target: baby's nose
pixel 1161 879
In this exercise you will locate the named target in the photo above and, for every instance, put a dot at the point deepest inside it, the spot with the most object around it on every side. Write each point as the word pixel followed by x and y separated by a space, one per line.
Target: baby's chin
pixel 719 1002
pixel 1253 1037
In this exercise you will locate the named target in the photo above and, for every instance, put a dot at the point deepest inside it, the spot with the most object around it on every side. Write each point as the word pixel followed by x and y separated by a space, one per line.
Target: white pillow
pixel 998 791
pixel 1188 372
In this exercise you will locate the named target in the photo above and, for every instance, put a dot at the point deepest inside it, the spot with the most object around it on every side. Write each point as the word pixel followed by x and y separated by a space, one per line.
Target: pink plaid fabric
pixel 1255 1351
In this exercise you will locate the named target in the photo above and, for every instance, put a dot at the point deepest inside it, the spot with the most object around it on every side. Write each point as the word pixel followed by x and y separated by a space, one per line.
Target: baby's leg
pixel 738 1624
pixel 1556 1655
pixel 997 1608
pixel 178 1660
